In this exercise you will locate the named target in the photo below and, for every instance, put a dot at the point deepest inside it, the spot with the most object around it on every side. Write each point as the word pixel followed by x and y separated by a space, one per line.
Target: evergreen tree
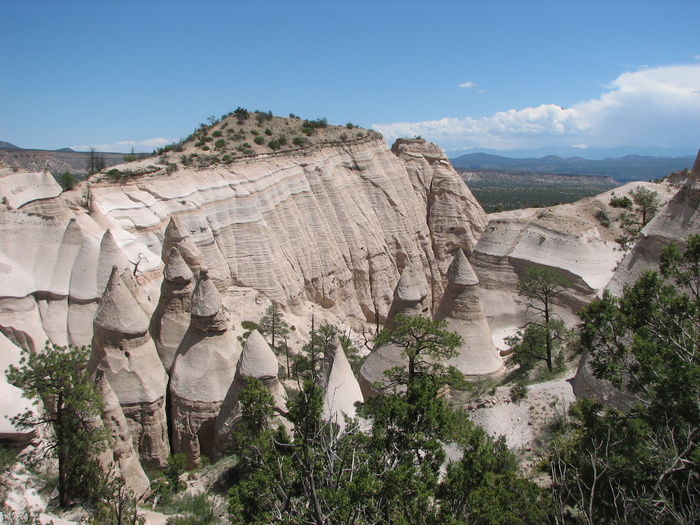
pixel 540 340
pixel 58 379
pixel 641 465
pixel 272 323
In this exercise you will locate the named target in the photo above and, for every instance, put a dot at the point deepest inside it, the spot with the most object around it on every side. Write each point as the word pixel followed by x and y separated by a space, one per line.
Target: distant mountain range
pixel 623 169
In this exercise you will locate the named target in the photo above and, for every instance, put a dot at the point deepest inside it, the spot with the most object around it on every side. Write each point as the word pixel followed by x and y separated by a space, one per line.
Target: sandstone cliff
pixel 569 238
pixel 331 224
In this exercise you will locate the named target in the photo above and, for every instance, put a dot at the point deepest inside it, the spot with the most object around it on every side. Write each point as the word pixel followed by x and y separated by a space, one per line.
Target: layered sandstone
pixel 13 403
pixel 568 238
pixel 460 308
pixel 123 350
pixel 172 315
pixel 202 372
pixel 675 221
pixel 258 362
pixel 122 458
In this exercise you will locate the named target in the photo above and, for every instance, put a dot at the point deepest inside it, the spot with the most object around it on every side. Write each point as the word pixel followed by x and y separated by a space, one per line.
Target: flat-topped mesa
pixel 171 318
pixel 180 232
pixel 203 370
pixel 410 295
pixel 123 350
pixel 257 361
pixel 340 388
pixel 461 308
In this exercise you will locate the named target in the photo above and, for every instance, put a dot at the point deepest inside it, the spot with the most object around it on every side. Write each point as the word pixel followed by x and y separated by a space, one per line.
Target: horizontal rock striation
pixel 203 370
pixel 332 225
pixel 122 349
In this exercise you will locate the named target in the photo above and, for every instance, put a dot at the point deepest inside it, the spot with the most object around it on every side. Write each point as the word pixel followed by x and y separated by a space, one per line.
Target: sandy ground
pixel 521 422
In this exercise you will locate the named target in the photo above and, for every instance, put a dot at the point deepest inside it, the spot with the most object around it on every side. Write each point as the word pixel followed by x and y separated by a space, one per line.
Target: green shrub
pixel 343 137
pixel 603 218
pixel 274 144
pixel 217 133
pixel 219 144
pixel 241 114
pixel 268 132
pixel 298 141
pixel 255 132
pixel 621 202
pixel 259 140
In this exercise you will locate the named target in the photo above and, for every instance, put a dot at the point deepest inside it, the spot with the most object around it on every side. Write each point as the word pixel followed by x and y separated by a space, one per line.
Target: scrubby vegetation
pixel 232 134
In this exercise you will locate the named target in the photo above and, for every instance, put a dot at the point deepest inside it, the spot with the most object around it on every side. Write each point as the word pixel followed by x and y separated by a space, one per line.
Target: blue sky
pixel 495 74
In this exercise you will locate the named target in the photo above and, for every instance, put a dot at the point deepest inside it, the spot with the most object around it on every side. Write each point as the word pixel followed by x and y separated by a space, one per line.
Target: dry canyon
pixel 157 265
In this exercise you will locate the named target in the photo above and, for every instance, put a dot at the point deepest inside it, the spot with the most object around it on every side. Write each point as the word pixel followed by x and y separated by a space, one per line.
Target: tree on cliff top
pixel 57 377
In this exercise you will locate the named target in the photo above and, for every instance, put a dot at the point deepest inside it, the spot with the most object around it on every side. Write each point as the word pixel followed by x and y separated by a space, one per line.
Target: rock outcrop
pixel 203 370
pixel 568 238
pixel 13 403
pixel 460 307
pixel 171 318
pixel 257 361
pixel 340 388
pixel 410 296
pixel 123 461
pixel 123 350
pixel 333 225
pixel 675 221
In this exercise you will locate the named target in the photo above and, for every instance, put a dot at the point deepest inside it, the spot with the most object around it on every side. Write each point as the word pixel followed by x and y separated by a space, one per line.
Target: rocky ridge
pixel 116 263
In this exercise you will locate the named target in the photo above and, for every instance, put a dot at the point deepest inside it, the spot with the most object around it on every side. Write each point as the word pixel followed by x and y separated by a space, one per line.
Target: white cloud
pixel 125 146
pixel 468 84
pixel 651 107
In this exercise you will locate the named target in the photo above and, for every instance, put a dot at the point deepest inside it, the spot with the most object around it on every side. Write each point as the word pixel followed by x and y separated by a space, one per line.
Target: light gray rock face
pixel 32 193
pixel 461 308
pixel 340 388
pixel 172 315
pixel 203 370
pixel 410 296
pixel 123 350
pixel 122 459
pixel 257 361
pixel 13 403
pixel 677 219
pixel 455 218
pixel 332 225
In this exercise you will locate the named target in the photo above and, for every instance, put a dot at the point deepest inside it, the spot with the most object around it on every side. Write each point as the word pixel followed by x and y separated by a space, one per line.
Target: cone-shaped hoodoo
pixel 172 316
pixel 257 361
pixel 461 308
pixel 122 348
pixel 202 372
